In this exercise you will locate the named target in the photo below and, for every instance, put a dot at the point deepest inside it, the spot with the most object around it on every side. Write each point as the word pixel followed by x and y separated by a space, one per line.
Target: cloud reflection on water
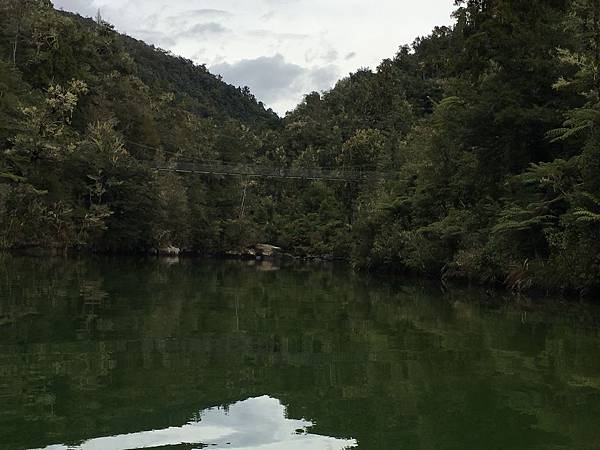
pixel 253 424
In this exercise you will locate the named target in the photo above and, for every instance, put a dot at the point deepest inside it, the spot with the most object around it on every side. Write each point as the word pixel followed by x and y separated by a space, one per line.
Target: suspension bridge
pixel 262 171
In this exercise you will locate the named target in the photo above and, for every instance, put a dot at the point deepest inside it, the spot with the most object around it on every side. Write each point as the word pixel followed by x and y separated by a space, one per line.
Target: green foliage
pixel 363 151
pixel 495 148
pixel 84 113
pixel 488 133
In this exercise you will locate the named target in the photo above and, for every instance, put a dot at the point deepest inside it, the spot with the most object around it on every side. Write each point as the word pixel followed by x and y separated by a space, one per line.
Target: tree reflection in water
pixel 95 348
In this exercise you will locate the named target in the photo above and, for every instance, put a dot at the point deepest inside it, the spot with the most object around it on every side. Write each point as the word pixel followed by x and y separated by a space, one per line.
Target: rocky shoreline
pixel 258 252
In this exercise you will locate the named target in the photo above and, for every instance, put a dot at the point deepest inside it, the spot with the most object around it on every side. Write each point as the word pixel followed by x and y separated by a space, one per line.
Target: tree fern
pixel 516 219
pixel 578 121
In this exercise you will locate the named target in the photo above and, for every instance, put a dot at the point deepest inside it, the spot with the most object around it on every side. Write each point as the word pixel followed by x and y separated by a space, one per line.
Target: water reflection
pixel 94 348
pixel 254 424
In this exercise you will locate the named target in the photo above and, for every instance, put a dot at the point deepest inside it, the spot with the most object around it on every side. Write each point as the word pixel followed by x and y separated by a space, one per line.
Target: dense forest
pixel 491 129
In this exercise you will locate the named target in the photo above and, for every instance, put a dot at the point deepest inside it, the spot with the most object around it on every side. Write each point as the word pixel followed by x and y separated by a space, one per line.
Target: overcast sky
pixel 281 49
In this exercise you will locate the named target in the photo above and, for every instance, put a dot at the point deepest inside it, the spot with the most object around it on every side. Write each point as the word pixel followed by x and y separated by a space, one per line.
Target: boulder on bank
pixel 169 251
pixel 257 251
pixel 267 250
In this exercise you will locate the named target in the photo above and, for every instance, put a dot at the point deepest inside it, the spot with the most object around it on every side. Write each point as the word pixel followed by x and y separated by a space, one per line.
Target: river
pixel 115 354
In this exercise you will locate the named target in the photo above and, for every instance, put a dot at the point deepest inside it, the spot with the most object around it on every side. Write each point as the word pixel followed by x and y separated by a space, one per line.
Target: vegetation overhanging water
pixel 481 141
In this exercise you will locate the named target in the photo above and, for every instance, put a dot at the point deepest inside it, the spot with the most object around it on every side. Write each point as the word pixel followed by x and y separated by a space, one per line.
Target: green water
pixel 111 354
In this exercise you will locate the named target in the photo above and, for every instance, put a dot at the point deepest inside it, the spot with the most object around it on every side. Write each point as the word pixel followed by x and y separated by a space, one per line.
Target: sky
pixel 281 49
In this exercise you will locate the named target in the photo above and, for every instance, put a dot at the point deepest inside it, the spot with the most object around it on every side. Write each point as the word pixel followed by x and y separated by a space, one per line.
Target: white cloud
pixel 269 77
pixel 310 43
pixel 276 81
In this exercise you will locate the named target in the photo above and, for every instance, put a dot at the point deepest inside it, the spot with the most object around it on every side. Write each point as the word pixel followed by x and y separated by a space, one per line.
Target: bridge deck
pixel 260 171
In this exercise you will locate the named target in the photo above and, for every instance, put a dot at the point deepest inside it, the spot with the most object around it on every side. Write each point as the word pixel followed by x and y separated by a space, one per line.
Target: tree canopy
pixel 489 126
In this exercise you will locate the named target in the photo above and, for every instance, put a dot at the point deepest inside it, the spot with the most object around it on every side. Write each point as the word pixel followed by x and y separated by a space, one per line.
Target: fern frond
pixel 12 177
pixel 577 121
pixel 585 216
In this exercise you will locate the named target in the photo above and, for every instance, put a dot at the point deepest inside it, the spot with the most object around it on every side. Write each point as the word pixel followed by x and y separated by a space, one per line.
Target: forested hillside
pixel 84 112
pixel 490 127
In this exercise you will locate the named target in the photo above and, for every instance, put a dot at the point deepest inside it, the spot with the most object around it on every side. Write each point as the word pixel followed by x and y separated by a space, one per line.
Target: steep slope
pixel 84 114
pixel 489 127
pixel 204 93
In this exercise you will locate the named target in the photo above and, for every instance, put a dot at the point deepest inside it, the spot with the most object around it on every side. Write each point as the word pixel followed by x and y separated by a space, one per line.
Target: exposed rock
pixel 169 251
pixel 267 250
